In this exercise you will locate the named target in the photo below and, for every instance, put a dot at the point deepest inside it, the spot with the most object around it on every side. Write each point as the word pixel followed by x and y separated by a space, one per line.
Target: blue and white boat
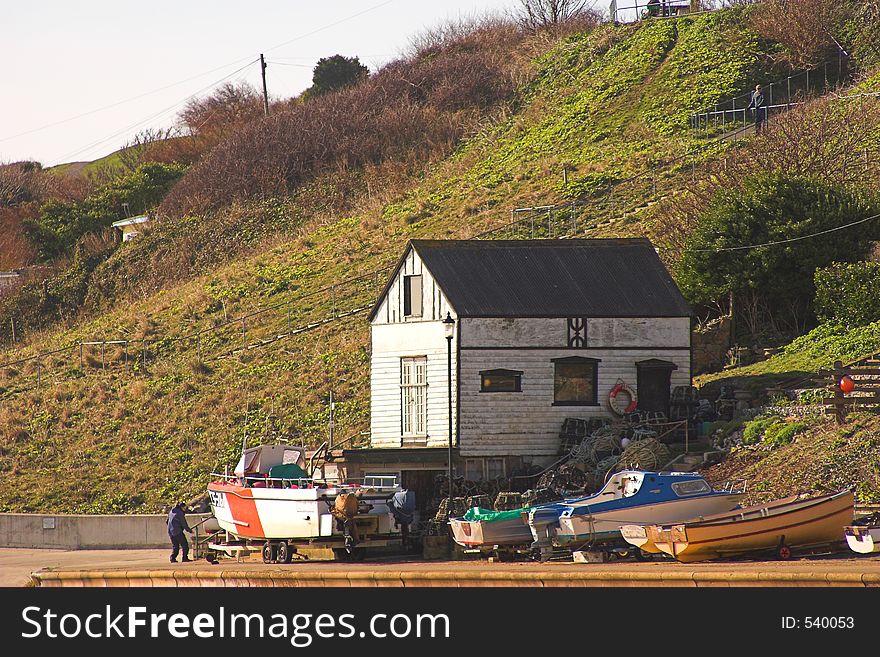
pixel 630 497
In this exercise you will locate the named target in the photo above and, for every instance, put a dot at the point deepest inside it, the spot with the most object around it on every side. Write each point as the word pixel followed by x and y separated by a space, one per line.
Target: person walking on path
pixel 759 107
pixel 177 525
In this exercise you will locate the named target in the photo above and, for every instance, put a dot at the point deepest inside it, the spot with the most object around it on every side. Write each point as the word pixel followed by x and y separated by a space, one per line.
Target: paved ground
pixel 17 564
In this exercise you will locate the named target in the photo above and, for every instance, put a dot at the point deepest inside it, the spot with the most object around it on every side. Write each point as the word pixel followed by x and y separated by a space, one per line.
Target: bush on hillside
pixel 59 298
pixel 772 283
pixel 862 31
pixel 773 432
pixel 848 293
pixel 335 73
pixel 60 224
pixel 412 111
pixel 829 342
pixel 804 28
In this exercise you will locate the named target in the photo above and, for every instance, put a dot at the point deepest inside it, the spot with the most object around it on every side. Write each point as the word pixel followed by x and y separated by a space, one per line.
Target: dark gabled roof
pixel 552 278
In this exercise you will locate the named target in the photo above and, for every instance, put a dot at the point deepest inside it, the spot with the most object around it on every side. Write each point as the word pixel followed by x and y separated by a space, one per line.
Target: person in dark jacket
pixel 177 525
pixel 760 108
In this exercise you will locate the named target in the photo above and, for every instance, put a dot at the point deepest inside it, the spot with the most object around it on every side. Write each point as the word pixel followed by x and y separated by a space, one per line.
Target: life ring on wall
pixel 615 404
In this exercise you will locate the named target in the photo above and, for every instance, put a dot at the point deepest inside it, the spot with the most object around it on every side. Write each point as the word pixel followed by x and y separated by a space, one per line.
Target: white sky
pixel 63 58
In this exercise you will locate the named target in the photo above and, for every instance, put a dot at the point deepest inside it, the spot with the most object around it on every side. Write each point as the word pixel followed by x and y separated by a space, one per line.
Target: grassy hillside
pixel 604 105
pixel 823 458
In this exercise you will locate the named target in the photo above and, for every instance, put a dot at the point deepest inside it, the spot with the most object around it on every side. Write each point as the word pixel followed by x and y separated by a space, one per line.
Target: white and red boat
pixel 271 498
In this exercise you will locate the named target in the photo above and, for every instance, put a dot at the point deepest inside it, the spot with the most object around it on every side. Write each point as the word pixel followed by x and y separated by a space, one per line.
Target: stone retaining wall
pixel 83 532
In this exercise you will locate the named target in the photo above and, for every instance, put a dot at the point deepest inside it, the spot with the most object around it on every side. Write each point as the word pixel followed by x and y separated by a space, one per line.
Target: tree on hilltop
pixel 336 72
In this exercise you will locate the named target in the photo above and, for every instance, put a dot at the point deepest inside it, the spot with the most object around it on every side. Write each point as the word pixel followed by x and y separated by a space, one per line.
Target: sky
pixel 102 70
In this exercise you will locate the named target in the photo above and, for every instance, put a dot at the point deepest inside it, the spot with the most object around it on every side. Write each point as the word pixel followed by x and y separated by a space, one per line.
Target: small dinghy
pixel 777 526
pixel 863 536
pixel 482 528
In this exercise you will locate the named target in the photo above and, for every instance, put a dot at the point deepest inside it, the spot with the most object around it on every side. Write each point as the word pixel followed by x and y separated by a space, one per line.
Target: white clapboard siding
pixel 434 303
pixel 553 332
pixel 390 343
pixel 527 423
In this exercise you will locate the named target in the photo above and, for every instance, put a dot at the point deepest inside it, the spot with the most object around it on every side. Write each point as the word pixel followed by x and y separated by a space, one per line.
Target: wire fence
pixel 221 340
pixel 779 96
pixel 630 11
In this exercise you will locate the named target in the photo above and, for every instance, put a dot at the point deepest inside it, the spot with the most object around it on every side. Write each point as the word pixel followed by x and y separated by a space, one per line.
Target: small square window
pixel 501 381
pixel 575 381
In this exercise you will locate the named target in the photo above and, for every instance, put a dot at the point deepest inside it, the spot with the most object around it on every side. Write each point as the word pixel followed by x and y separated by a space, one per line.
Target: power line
pixel 793 239
pixel 174 84
pixel 274 63
pixel 329 25
pixel 120 102
pixel 153 116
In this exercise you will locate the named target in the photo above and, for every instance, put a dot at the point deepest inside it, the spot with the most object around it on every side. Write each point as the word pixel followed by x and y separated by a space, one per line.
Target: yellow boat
pixel 779 526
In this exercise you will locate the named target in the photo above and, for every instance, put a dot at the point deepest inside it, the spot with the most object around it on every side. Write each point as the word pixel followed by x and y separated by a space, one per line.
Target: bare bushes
pixel 412 111
pixel 836 140
pixel 803 27
pixel 534 15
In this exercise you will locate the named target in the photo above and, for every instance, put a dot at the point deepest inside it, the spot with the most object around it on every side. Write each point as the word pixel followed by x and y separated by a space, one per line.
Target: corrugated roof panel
pixel 536 278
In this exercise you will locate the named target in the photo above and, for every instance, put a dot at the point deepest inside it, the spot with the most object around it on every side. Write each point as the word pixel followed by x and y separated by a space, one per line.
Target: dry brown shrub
pixel 15 248
pixel 803 27
pixel 831 139
pixel 411 111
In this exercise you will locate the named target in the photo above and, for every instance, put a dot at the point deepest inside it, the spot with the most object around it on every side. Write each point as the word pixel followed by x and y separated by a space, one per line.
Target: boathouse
pixel 543 330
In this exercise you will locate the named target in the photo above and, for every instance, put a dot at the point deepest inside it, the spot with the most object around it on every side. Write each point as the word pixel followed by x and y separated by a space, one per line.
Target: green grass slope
pixel 130 437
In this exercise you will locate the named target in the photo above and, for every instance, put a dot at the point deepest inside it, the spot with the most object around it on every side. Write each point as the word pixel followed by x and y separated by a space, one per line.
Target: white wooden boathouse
pixel 544 329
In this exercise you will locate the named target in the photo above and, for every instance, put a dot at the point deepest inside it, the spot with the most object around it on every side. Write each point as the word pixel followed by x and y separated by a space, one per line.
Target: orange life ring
pixel 612 398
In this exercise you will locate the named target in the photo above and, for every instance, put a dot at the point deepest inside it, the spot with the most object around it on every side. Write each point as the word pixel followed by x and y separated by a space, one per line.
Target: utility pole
pixel 265 93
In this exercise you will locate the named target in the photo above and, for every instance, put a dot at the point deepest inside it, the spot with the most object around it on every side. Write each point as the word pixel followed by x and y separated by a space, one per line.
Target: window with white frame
pixel 414 395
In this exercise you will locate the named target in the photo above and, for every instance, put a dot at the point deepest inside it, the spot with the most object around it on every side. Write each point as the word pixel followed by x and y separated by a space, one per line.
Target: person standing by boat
pixel 177 525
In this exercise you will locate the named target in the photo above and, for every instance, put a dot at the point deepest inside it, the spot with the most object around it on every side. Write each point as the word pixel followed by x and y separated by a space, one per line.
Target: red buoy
pixel 847 385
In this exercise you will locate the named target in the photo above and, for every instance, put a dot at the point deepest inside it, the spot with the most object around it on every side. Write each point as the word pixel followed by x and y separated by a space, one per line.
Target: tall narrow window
pixel 412 296
pixel 575 381
pixel 414 396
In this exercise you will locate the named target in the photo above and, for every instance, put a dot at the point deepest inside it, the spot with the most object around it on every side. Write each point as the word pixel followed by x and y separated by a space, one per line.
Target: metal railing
pixel 372 481
pixel 291 317
pixel 662 9
pixel 780 95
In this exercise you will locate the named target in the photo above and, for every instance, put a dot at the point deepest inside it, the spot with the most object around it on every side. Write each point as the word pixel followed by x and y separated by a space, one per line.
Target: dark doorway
pixel 422 482
pixel 654 377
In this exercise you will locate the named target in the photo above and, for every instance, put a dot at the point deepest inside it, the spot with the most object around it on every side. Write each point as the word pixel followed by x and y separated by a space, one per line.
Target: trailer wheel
pixel 640 555
pixel 783 552
pixel 284 554
pixel 269 552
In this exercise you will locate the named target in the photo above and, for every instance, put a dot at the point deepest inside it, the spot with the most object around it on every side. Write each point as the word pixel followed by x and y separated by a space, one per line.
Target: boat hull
pixel 864 540
pixel 605 525
pixel 288 513
pixel 480 533
pixel 801 524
